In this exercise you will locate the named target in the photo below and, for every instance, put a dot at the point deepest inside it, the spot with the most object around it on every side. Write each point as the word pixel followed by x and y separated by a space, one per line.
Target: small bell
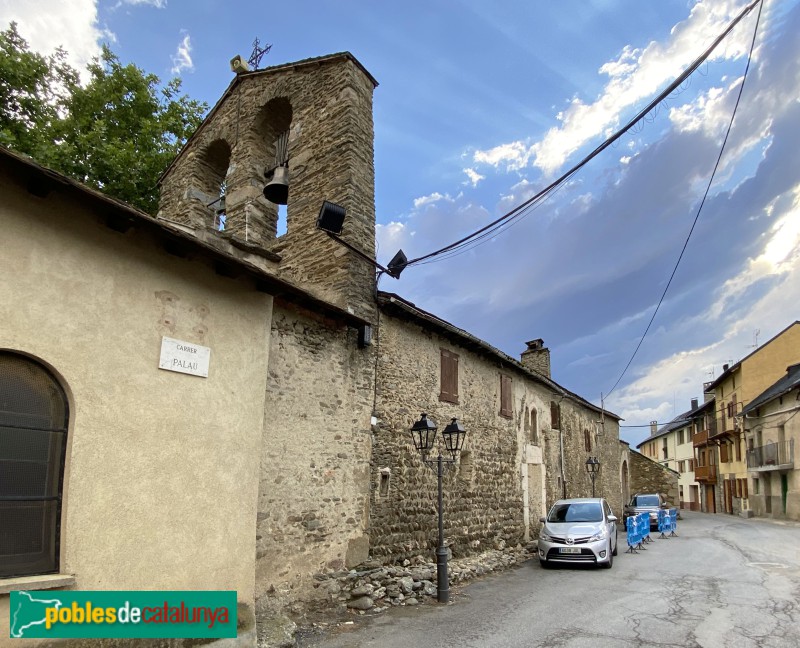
pixel 277 189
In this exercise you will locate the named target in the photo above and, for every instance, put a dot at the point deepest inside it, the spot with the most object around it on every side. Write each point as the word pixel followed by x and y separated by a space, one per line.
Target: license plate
pixel 570 550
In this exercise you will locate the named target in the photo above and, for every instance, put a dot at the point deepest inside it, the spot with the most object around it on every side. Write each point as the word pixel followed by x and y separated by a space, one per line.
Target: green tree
pixel 33 94
pixel 118 132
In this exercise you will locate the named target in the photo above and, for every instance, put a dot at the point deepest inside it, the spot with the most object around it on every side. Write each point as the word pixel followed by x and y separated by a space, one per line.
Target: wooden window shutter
pixel 744 488
pixel 555 415
pixel 449 377
pixel 587 441
pixel 723 453
pixel 506 400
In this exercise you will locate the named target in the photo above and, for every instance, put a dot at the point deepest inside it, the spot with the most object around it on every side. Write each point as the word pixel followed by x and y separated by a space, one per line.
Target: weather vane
pixel 258 53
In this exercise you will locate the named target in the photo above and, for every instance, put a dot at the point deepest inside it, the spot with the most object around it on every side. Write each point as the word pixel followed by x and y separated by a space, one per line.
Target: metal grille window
pixel 33 431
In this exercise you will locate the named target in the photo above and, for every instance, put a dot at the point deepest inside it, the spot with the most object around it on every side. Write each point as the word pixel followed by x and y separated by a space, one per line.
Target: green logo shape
pixel 123 614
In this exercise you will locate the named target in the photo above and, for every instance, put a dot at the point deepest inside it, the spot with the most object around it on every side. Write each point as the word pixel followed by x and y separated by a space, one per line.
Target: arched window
pixel 33 436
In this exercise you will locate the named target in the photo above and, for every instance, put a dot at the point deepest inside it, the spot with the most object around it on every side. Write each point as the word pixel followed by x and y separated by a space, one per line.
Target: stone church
pixel 202 401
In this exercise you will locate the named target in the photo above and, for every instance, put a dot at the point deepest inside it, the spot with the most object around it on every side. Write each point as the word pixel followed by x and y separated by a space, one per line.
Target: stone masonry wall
pixel 326 104
pixel 576 419
pixel 314 487
pixel 482 491
pixel 648 476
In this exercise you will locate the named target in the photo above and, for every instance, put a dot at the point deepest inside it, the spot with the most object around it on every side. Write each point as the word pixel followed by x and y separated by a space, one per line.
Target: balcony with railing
pixel 705 474
pixel 772 456
pixel 700 438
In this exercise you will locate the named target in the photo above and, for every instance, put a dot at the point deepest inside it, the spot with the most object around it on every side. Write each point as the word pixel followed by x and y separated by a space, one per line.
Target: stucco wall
pixel 766 498
pixel 160 485
pixel 314 479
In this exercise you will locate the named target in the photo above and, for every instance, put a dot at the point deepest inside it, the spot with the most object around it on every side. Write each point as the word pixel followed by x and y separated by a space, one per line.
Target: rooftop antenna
pixel 258 53
pixel 756 333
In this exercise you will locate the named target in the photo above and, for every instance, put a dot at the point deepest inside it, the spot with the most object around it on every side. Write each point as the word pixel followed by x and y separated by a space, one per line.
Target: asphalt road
pixel 724 581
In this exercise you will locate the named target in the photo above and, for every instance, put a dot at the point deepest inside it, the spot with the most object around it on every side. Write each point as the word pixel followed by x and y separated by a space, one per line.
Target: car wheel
pixel 616 545
pixel 610 561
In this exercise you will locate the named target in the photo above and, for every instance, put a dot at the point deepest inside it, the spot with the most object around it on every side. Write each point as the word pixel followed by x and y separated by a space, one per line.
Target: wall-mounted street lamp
pixel 423 434
pixel 592 466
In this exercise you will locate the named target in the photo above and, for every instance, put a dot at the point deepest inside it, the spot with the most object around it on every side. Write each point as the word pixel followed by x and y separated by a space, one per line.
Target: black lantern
pixel 592 466
pixel 423 433
pixel 454 435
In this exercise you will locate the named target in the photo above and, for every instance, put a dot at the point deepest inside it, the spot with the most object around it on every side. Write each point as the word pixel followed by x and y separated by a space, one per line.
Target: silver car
pixel 580 530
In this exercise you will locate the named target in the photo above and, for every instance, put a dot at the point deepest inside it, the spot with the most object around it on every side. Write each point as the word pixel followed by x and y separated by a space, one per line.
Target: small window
pixel 756 485
pixel 587 441
pixel 449 377
pixel 506 400
pixel 534 431
pixel 386 476
pixel 738 444
pixel 680 437
pixel 555 415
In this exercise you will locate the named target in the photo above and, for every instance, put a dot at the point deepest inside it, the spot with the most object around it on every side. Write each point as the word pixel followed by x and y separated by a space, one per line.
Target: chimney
pixel 725 367
pixel 653 427
pixel 694 403
pixel 536 358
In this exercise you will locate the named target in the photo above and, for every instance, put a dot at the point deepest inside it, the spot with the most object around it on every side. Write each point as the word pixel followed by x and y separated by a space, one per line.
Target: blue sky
pixel 482 104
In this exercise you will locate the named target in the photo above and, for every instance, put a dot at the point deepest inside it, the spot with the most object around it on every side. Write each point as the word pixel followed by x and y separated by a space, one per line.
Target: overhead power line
pixel 522 209
pixel 703 201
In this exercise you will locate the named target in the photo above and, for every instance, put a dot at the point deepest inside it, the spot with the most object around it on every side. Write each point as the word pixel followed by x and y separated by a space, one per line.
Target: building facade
pixel 283 452
pixel 772 432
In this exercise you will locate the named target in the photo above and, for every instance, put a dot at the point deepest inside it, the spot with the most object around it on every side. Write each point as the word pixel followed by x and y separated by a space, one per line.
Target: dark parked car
pixel 646 503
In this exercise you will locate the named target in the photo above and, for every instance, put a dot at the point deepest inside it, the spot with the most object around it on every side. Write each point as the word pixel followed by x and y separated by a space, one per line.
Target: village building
pixel 772 432
pixel 201 401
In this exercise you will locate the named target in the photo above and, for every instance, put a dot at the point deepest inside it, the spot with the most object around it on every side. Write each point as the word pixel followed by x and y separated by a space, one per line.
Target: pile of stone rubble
pixel 376 588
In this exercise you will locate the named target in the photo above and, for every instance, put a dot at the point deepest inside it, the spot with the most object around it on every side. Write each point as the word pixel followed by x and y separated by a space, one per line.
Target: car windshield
pixel 576 512
pixel 646 500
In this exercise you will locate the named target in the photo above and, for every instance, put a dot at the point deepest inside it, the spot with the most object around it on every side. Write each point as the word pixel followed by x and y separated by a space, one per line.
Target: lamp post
pixel 592 466
pixel 423 433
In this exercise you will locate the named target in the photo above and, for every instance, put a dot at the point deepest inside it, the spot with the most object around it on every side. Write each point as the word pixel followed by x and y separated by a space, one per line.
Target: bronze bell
pixel 277 189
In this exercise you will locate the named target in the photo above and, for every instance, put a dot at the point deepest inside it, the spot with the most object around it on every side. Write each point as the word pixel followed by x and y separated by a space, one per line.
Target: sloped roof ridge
pixel 421 314
pixel 737 364
pixel 786 383
pixel 245 75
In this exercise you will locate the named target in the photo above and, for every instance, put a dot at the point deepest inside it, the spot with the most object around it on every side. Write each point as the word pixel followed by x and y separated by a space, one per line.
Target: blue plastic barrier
pixel 644 527
pixel 633 536
pixel 668 522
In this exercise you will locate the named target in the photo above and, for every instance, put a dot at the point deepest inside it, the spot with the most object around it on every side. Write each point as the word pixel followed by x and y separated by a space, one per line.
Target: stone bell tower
pixel 313 117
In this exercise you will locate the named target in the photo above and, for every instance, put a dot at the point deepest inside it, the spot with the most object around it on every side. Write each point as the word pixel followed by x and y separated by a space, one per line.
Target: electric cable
pixel 521 210
pixel 702 202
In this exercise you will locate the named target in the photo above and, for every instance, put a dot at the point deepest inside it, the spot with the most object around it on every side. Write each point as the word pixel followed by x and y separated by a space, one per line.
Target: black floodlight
pixel 331 218
pixel 397 264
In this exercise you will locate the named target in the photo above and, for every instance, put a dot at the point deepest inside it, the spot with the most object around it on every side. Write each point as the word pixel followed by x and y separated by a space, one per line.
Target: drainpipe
pixel 563 476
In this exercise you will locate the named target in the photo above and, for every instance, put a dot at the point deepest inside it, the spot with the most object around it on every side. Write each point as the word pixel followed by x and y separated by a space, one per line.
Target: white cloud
pixel 474 177
pixel 182 59
pixel 514 156
pixel 679 377
pixel 48 24
pixel 430 199
pixel 634 76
